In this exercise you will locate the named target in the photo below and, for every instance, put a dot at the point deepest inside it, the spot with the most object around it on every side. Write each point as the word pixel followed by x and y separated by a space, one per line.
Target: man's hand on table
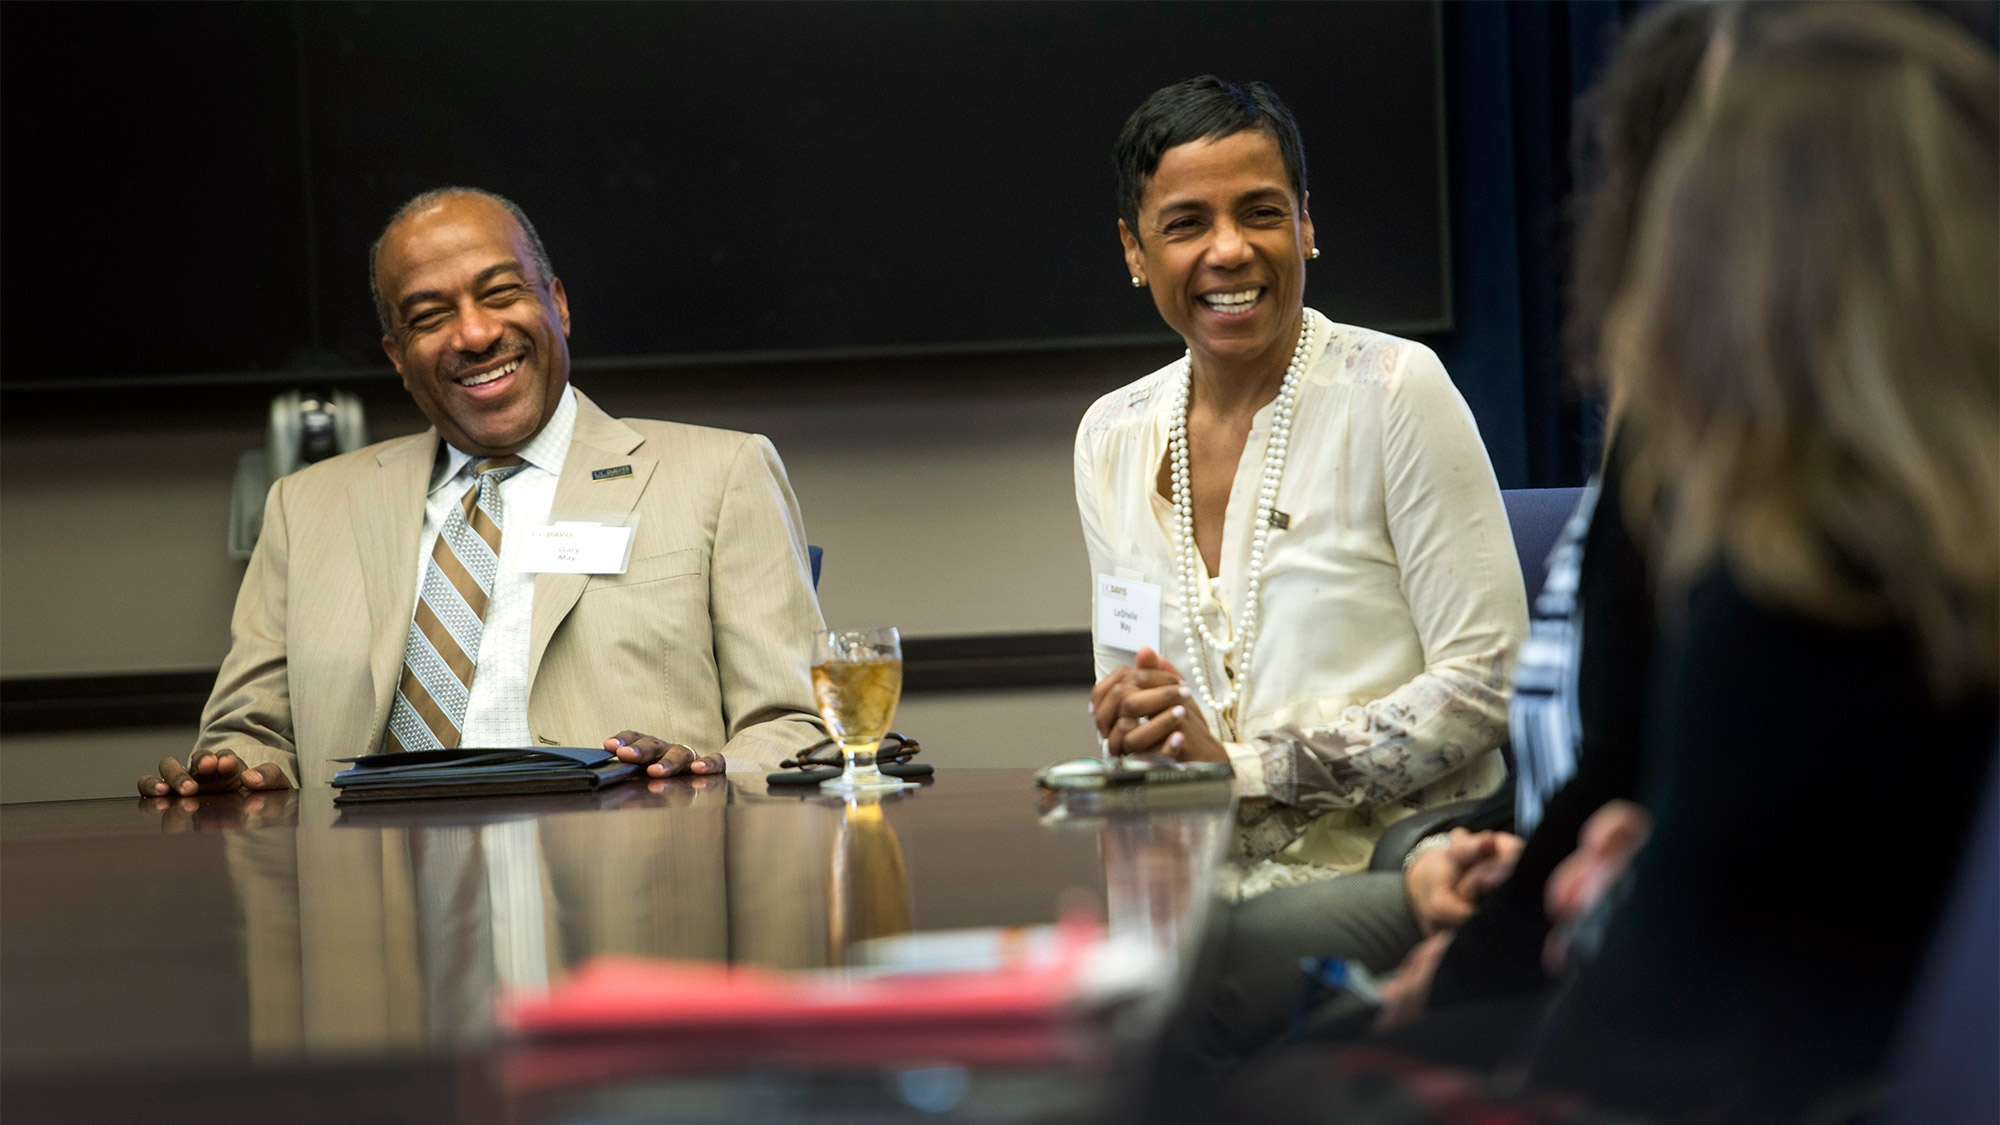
pixel 662 758
pixel 209 772
pixel 1446 884
pixel 1148 708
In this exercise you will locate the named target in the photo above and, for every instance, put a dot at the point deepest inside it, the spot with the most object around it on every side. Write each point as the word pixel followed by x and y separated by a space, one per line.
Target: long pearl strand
pixel 1188 555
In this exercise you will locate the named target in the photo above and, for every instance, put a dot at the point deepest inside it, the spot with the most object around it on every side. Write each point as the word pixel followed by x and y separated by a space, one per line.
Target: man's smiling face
pixel 479 337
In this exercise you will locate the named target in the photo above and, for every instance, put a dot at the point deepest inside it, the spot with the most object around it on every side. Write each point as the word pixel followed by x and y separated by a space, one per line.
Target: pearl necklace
pixel 1188 555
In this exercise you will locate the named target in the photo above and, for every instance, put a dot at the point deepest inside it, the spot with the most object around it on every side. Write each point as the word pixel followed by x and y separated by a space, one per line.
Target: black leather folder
pixel 479 773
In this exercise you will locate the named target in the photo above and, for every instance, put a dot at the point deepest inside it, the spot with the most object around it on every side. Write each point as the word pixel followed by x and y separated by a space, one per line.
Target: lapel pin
pixel 609 474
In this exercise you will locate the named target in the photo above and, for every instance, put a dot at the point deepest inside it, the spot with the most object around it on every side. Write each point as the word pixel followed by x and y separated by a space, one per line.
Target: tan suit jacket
pixel 704 640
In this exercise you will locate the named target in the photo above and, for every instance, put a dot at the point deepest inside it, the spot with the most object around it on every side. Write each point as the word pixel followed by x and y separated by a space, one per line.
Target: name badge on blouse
pixel 579 544
pixel 1128 613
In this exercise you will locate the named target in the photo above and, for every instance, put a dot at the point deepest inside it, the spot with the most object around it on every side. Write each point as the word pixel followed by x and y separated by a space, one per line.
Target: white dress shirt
pixel 496 711
pixel 1392 602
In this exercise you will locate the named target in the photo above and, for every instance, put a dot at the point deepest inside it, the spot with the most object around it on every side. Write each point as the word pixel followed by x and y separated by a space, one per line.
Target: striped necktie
pixel 439 657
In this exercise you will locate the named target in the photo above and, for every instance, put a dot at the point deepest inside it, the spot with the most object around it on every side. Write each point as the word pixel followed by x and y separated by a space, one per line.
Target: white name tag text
pixel 576 548
pixel 1128 613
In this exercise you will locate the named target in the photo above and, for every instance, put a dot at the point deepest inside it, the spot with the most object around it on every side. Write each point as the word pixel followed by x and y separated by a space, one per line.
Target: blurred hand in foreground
pixel 1604 850
pixel 1406 995
pixel 1446 884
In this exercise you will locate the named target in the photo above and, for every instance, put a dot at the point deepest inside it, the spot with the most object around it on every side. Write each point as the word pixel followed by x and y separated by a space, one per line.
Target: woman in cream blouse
pixel 1340 602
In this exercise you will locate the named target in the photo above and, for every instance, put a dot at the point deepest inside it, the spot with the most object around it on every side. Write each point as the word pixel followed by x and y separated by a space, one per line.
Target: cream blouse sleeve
pixel 1094 541
pixel 1463 585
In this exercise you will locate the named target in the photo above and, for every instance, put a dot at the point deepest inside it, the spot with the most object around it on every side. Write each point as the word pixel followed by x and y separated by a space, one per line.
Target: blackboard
pixel 190 189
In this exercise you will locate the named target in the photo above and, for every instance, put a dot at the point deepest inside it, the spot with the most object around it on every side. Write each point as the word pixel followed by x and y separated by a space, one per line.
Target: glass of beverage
pixel 857 678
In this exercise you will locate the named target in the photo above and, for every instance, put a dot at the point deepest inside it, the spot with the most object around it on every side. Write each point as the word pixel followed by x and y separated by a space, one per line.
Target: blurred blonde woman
pixel 1808 345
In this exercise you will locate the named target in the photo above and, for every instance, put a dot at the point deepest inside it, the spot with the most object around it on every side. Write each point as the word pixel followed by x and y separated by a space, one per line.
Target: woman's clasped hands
pixel 1148 708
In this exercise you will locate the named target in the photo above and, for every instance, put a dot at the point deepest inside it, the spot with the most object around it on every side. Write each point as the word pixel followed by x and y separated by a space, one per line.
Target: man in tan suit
pixel 703 640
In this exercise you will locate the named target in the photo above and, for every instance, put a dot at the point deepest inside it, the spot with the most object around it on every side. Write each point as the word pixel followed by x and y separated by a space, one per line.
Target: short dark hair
pixel 1200 109
pixel 424 199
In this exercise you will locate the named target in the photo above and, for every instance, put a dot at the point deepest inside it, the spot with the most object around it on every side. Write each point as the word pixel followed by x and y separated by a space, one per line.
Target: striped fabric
pixel 443 648
pixel 1543 719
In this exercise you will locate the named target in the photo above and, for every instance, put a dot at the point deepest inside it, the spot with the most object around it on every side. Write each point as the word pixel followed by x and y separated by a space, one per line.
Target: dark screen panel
pixel 758 177
pixel 153 220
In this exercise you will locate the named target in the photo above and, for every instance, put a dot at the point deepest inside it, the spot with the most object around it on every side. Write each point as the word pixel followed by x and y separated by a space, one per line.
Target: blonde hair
pixel 1808 338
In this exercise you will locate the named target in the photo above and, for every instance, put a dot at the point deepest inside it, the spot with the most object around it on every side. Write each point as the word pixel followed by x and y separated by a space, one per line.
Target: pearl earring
pixel 1314 254
pixel 1137 284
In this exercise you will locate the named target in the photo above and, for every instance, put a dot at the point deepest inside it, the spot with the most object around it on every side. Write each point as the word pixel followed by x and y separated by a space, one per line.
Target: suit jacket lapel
pixel 600 442
pixel 388 514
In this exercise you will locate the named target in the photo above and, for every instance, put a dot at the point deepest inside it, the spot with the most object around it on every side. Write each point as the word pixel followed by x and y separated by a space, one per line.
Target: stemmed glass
pixel 857 677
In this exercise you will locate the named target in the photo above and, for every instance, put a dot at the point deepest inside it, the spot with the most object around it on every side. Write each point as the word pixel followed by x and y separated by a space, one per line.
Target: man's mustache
pixel 458 362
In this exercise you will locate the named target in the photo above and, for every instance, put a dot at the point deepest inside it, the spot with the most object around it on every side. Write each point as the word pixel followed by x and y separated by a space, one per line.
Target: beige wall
pixel 940 489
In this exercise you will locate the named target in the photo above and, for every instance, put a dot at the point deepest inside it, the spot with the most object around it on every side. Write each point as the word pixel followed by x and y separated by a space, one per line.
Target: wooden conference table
pixel 279 957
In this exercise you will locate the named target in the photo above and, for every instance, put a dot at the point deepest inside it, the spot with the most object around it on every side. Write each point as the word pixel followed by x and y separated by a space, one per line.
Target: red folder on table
pixel 611 994
pixel 623 1017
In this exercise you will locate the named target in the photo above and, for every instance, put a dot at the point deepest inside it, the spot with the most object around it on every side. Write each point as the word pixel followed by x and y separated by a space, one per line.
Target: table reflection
pixel 1159 874
pixel 870 884
pixel 1159 865
pixel 386 932
pixel 385 929
pixel 224 812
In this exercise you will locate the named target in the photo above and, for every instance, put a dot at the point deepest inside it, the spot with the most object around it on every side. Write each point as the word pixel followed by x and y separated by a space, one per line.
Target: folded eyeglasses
pixel 823 760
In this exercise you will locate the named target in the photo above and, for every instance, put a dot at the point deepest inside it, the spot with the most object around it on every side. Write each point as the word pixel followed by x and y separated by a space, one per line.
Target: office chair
pixel 1536 517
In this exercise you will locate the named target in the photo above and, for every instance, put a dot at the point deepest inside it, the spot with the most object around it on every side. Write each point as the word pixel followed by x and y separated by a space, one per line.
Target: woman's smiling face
pixel 1222 243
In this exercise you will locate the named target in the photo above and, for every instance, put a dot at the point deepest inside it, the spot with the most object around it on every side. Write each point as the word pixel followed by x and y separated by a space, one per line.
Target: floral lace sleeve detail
pixel 1380 753
pixel 1127 404
pixel 1362 357
pixel 1247 759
